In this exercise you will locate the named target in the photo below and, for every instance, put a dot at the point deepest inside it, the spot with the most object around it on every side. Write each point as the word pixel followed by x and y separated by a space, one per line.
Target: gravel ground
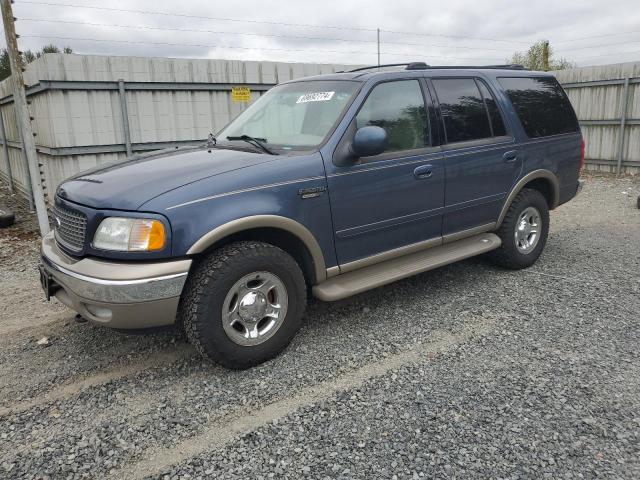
pixel 19 251
pixel 467 371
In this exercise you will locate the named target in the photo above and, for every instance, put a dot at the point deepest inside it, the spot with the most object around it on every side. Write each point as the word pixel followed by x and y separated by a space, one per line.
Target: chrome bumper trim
pixel 116 291
pixel 100 281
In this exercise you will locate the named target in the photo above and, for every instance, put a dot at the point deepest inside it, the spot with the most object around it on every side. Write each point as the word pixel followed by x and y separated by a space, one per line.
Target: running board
pixel 351 283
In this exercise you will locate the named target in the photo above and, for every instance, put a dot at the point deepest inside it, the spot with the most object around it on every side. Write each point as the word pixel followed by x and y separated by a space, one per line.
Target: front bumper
pixel 115 294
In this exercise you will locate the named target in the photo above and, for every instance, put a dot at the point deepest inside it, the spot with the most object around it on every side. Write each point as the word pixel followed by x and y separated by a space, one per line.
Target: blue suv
pixel 329 185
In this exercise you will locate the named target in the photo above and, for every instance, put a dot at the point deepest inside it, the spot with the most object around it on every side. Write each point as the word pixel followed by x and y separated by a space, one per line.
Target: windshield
pixel 293 116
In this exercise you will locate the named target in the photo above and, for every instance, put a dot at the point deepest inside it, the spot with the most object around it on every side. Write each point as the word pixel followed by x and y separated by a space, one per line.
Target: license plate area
pixel 49 286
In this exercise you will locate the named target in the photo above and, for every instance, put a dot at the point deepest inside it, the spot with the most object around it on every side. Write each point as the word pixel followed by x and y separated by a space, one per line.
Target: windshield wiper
pixel 255 141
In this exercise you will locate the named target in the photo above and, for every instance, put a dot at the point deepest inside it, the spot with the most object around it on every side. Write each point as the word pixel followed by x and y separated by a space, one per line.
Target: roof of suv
pixel 362 75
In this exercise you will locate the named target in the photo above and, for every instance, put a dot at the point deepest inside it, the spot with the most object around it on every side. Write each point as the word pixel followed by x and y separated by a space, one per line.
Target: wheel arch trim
pixel 265 221
pixel 536 174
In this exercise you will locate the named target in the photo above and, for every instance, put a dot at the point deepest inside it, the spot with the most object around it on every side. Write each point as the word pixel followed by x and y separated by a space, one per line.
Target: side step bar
pixel 352 283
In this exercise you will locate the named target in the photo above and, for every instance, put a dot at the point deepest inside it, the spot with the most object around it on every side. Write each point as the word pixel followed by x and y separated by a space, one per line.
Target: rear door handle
pixel 424 171
pixel 510 156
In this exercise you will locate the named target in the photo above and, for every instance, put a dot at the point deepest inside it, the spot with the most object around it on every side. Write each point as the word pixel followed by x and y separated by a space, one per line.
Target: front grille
pixel 70 227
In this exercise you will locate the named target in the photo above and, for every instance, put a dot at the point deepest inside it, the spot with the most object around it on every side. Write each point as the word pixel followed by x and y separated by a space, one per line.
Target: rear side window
pixel 463 109
pixel 399 108
pixel 497 124
pixel 541 105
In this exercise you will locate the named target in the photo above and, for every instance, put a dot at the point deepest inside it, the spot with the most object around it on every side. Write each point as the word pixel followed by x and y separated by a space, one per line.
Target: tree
pixel 5 67
pixel 27 57
pixel 533 59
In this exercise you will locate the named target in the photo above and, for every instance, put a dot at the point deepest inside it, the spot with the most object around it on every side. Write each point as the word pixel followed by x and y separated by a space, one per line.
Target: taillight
pixel 582 155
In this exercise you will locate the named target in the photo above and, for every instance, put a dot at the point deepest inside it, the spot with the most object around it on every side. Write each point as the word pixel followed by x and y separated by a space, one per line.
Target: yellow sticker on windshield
pixel 240 94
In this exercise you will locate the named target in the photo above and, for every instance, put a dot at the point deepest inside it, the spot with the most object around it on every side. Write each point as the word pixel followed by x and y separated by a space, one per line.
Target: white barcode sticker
pixel 315 97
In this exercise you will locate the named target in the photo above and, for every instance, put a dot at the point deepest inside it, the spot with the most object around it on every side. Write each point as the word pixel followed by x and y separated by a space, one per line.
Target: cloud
pixel 455 32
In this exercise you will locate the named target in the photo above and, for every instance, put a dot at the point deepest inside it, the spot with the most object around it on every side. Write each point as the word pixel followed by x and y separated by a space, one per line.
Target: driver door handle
pixel 423 171
pixel 510 156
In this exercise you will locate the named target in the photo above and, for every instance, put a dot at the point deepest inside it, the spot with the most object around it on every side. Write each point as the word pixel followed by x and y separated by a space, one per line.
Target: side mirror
pixel 369 141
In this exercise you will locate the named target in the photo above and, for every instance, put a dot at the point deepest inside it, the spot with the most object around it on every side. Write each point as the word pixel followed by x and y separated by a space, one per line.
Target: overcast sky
pixel 438 32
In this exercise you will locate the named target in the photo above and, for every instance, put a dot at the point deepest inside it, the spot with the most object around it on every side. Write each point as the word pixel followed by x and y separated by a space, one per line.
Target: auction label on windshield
pixel 240 94
pixel 315 97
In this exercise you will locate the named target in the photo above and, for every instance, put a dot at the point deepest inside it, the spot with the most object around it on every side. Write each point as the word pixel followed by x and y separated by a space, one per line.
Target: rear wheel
pixel 243 304
pixel 523 232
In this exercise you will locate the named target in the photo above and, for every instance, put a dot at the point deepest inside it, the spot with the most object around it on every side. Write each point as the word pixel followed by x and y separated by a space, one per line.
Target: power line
pixel 187 15
pixel 216 32
pixel 264 22
pixel 597 36
pixel 600 46
pixel 304 25
pixel 304 50
pixel 461 37
pixel 148 27
pixel 635 52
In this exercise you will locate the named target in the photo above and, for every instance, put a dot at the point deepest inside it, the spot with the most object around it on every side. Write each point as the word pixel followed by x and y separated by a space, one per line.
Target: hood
pixel 128 185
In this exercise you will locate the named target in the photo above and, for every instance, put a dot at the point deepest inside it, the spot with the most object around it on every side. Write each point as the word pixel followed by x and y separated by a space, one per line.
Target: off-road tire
pixel 7 217
pixel 508 255
pixel 211 277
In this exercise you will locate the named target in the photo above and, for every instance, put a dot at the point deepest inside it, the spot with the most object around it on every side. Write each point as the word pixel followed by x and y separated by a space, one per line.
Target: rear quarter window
pixel 541 105
pixel 463 109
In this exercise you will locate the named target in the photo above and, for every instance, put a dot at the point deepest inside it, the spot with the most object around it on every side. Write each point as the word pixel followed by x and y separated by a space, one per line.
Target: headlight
pixel 130 235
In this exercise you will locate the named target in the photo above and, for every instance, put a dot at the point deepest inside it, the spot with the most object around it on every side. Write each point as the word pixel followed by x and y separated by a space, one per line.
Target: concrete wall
pixel 598 96
pixel 77 108
pixel 79 123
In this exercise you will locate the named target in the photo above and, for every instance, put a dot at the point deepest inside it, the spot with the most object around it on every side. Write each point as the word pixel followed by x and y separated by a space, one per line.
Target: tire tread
pixel 197 294
pixel 506 256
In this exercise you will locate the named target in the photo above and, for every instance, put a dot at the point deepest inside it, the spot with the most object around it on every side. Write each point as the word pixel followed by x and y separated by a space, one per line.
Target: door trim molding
pixel 333 271
pixel 386 224
pixel 389 254
pixel 469 232
pixel 413 248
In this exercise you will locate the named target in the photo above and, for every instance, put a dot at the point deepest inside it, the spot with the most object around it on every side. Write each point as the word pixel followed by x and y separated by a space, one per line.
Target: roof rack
pixel 424 66
pixel 511 66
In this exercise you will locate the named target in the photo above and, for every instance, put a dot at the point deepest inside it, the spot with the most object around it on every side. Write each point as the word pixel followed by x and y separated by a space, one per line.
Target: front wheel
pixel 523 232
pixel 243 304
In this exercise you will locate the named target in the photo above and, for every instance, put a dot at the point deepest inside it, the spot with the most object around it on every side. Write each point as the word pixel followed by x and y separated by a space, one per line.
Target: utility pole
pixel 378 46
pixel 22 114
pixel 545 56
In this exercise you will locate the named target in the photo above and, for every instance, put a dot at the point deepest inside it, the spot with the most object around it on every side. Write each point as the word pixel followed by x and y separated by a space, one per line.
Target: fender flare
pixel 541 173
pixel 265 221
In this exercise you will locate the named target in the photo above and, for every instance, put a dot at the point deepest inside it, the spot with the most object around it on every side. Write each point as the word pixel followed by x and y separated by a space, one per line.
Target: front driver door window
pixel 396 198
pixel 399 108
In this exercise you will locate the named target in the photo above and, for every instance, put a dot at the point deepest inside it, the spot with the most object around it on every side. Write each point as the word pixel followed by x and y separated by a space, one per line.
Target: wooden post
pixel 22 114
pixel 545 56
pixel 378 47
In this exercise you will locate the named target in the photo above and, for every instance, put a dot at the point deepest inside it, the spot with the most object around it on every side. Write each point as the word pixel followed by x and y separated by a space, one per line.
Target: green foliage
pixel 51 48
pixel 5 68
pixel 27 57
pixel 533 59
